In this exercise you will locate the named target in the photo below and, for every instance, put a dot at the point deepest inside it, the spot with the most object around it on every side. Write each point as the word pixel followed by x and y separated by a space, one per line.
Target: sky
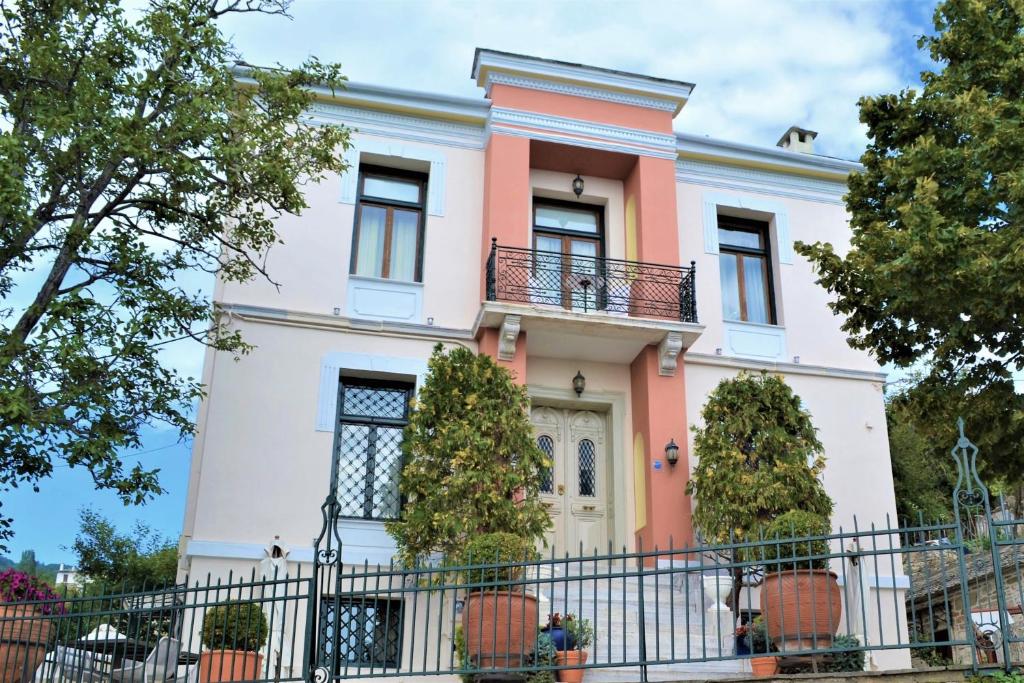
pixel 759 66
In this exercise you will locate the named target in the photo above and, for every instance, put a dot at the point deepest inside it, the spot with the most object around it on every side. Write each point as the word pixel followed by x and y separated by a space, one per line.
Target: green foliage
pixel 998 676
pixel 471 463
pixel 757 638
pixel 235 626
pixel 795 524
pixel 543 655
pixel 138 560
pixel 922 419
pixel 935 266
pixel 852 660
pixel 133 159
pixel 752 459
pixel 580 630
pixel 497 549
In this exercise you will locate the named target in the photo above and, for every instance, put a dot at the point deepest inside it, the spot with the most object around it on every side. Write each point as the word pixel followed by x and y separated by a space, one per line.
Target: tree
pixel 132 154
pixel 471 463
pixel 758 457
pixel 137 560
pixel 935 268
pixel 922 419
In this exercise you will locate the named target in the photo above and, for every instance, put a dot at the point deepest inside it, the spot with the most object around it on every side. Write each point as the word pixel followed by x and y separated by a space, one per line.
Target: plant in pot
pixel 471 479
pixel 232 636
pixel 556 629
pixel 27 606
pixel 758 456
pixel 763 662
pixel 579 635
pixel 800 597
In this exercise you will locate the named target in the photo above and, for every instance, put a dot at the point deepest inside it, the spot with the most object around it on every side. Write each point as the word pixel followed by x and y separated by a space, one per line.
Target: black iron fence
pixel 948 593
pixel 583 283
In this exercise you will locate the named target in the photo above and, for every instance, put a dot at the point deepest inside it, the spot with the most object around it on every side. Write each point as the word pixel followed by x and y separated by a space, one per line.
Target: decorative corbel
pixel 507 337
pixel 668 353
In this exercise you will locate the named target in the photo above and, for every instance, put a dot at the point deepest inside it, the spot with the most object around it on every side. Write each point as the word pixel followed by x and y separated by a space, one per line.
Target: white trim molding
pixel 587 81
pixel 436 182
pixel 776 211
pixel 753 340
pixel 773 183
pixel 373 298
pixel 581 133
pixel 333 363
pixel 577 90
pixel 399 126
pixel 692 146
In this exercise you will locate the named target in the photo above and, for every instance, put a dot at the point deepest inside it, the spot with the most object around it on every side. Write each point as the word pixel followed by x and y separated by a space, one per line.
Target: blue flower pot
pixel 560 637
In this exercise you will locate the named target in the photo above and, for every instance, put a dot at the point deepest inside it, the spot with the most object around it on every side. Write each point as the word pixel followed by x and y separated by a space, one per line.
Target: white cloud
pixel 759 66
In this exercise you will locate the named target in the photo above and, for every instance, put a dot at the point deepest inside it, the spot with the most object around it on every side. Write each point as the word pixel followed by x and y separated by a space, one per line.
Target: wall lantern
pixel 579 383
pixel 577 185
pixel 672 452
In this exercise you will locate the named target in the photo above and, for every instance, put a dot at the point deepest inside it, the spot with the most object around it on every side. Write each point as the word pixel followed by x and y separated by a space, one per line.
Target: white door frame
pixel 619 476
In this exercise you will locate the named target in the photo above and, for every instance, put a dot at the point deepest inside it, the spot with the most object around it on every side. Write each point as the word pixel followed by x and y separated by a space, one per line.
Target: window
pixel 572 236
pixel 388 236
pixel 745 266
pixel 368 460
pixel 360 632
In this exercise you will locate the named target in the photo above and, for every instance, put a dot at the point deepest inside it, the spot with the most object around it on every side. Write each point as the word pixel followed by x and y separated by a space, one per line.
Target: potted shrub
pixel 233 634
pixel 471 479
pixel 763 663
pixel 499 618
pixel 758 456
pixel 26 603
pixel 579 635
pixel 800 597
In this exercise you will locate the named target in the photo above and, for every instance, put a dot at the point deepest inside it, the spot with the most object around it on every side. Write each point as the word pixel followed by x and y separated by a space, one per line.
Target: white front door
pixel 575 490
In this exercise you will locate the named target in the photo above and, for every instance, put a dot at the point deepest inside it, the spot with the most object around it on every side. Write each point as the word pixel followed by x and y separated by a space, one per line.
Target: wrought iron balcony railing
pixel 591 283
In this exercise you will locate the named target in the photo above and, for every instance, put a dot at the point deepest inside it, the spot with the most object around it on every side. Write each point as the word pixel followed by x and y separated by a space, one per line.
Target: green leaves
pixel 758 456
pixel 471 464
pixel 935 268
pixel 136 154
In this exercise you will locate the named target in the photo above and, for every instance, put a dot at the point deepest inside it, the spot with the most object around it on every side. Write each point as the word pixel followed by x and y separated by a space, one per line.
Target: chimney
pixel 798 139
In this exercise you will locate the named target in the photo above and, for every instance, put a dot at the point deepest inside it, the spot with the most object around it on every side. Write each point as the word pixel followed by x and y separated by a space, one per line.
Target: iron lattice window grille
pixel 368 447
pixel 360 633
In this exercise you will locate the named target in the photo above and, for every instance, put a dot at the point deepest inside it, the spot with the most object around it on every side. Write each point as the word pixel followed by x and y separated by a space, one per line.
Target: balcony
pixel 587 307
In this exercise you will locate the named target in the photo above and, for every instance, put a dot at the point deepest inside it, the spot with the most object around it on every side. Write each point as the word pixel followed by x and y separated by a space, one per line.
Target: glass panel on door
pixel 546 279
pixel 582 278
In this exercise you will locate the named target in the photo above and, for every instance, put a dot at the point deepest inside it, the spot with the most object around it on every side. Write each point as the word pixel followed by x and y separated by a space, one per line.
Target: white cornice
pixel 692 358
pixel 576 90
pixel 486 62
pixel 400 126
pixel 584 133
pixel 741 154
pixel 773 183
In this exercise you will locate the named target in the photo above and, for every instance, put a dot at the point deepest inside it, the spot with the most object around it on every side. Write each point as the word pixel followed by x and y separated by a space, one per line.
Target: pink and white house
pixel 567 224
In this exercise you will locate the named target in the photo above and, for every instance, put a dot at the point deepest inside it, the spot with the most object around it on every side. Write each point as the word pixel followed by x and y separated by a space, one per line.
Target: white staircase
pixel 676 624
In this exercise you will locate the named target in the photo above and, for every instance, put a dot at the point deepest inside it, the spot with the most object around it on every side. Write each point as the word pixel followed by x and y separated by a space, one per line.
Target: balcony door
pixel 569 239
pixel 575 489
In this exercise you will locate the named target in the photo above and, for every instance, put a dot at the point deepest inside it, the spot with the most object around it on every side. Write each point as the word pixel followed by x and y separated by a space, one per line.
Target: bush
pixel 497 548
pixel 757 638
pixel 581 630
pixel 235 626
pixel 471 463
pixel 543 655
pixel 853 660
pixel 17 586
pixel 782 556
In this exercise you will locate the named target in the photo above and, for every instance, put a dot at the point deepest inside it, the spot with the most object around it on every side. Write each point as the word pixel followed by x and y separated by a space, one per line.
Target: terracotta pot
pixel 217 666
pixel 763 667
pixel 22 643
pixel 570 658
pixel 801 608
pixel 500 628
